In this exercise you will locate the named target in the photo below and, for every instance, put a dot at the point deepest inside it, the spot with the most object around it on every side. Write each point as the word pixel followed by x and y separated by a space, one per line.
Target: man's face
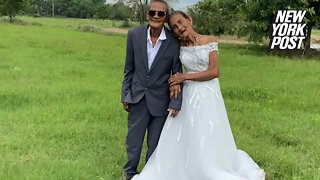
pixel 155 15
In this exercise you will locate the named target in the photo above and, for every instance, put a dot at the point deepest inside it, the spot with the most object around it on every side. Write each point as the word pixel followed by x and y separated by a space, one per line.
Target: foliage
pixel 125 10
pixel 259 15
pixel 66 8
pixel 217 17
pixel 251 18
pixel 10 8
pixel 79 9
pixel 122 12
pixel 104 11
pixel 140 7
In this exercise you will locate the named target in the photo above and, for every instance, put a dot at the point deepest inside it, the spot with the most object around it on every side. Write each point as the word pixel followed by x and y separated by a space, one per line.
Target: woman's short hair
pixel 183 14
pixel 179 12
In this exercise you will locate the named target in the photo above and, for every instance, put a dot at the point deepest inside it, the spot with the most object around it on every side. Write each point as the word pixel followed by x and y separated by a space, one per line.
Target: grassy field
pixel 61 117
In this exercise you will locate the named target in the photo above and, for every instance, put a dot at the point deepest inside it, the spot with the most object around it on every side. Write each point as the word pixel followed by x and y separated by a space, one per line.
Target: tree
pixel 52 7
pixel 104 11
pixel 312 18
pixel 78 8
pixel 67 8
pixel 38 7
pixel 10 8
pixel 217 16
pixel 251 18
pixel 140 7
pixel 259 15
pixel 122 12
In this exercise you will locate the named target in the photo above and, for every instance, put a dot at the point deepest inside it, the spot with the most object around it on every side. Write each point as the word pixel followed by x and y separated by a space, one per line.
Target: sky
pixel 181 5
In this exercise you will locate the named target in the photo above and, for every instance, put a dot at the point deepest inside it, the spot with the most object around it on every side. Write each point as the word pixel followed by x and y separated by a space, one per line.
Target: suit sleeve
pixel 176 67
pixel 128 68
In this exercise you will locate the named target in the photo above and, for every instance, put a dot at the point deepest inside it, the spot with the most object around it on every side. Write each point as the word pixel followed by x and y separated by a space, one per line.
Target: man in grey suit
pixel 152 57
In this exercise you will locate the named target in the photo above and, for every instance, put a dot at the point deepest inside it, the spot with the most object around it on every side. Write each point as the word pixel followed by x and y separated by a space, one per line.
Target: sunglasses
pixel 160 14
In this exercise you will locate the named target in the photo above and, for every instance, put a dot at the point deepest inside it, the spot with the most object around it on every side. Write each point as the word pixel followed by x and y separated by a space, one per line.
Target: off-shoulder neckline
pixel 201 45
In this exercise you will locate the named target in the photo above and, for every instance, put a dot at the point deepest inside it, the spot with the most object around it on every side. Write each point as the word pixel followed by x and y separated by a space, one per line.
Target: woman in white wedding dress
pixel 198 144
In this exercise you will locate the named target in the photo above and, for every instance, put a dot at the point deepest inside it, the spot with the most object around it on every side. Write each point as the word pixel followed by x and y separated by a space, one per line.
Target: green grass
pixel 315 32
pixel 61 117
pixel 59 104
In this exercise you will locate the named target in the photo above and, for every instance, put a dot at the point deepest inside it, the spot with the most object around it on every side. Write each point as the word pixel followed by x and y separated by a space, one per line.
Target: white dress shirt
pixel 153 50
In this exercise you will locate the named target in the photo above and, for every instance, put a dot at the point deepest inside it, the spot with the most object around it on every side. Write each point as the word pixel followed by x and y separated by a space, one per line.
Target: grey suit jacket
pixel 152 84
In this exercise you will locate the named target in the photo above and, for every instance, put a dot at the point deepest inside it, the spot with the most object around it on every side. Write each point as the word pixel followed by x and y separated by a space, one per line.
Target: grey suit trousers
pixel 139 120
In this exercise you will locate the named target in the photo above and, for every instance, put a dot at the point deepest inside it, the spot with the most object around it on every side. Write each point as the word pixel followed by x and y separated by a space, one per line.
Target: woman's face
pixel 181 26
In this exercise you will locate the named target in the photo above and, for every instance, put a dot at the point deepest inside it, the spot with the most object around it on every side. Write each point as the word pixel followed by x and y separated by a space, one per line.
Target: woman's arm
pixel 211 73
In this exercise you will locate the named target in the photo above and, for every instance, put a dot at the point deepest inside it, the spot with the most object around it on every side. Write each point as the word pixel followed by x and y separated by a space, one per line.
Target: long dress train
pixel 198 144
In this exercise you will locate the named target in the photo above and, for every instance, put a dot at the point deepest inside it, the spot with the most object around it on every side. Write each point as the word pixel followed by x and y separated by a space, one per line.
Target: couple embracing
pixel 188 132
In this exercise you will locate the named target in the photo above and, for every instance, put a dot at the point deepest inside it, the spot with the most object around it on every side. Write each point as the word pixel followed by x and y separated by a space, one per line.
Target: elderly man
pixel 152 57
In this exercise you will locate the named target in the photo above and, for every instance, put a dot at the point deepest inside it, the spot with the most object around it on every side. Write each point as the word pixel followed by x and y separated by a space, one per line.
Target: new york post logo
pixel 287 32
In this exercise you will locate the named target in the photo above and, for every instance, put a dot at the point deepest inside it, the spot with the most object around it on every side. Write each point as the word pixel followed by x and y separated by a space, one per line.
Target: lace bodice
pixel 196 58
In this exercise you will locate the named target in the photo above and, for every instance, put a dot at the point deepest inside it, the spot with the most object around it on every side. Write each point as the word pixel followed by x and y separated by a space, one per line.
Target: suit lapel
pixel 143 45
pixel 161 51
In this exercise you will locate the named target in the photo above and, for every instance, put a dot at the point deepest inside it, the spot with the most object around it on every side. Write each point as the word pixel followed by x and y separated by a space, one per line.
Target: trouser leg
pixel 138 119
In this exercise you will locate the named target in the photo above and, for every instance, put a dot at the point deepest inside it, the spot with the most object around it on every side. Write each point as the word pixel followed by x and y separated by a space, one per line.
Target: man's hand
pixel 126 106
pixel 173 112
pixel 175 91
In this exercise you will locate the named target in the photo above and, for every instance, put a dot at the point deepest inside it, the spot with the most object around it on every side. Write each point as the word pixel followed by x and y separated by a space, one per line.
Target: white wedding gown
pixel 198 144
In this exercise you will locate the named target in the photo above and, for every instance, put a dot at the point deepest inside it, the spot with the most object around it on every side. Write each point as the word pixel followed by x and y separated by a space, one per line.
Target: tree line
pixel 249 18
pixel 68 8
pixel 119 10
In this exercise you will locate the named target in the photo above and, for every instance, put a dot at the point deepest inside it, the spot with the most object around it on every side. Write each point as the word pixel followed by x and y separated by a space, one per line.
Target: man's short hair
pixel 161 1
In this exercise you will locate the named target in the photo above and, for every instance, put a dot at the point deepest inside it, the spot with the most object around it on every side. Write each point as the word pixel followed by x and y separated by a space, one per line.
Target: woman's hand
pixel 176 79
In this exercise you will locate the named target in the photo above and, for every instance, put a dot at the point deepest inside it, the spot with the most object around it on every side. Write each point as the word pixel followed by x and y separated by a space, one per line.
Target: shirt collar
pixel 161 37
